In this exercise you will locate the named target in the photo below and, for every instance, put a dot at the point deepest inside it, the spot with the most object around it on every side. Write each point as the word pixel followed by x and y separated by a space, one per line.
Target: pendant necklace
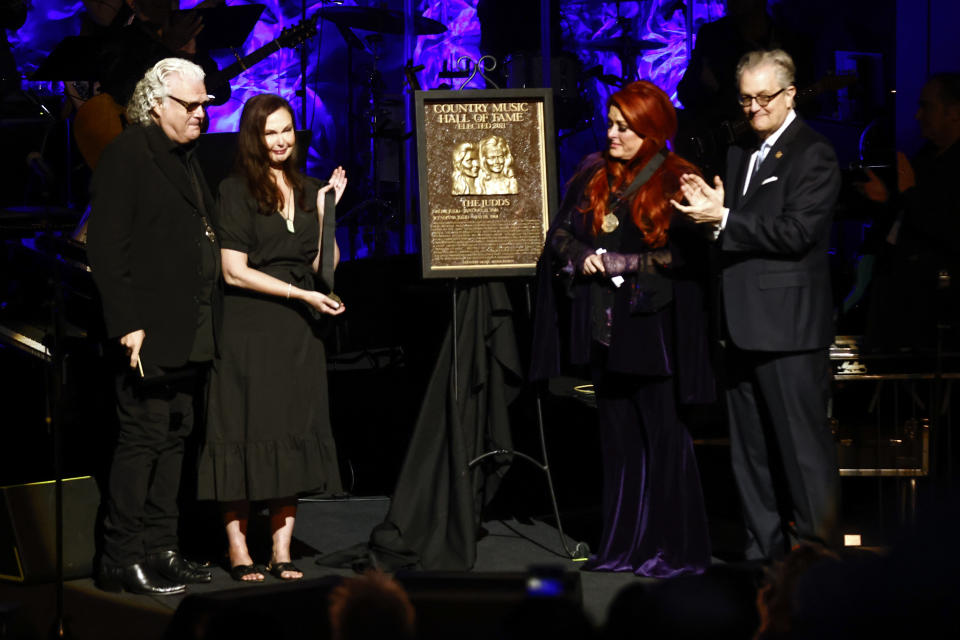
pixel 610 223
pixel 610 220
pixel 288 219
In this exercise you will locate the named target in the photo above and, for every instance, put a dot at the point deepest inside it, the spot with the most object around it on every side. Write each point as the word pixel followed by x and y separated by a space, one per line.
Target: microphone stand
pixel 302 91
pixel 54 419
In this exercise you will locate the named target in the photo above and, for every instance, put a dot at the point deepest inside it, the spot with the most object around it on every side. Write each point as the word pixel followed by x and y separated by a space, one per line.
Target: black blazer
pixel 144 240
pixel 775 278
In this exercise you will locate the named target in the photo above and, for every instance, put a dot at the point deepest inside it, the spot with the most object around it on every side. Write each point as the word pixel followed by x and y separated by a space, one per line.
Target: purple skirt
pixel 654 522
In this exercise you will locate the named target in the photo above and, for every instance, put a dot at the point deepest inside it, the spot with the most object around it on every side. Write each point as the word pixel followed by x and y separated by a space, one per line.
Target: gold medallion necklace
pixel 610 223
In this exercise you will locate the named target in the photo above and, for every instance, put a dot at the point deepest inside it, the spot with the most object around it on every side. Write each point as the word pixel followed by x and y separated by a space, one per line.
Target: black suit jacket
pixel 775 276
pixel 144 240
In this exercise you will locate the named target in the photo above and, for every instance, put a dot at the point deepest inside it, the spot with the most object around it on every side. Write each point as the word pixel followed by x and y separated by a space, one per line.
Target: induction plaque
pixel 487 180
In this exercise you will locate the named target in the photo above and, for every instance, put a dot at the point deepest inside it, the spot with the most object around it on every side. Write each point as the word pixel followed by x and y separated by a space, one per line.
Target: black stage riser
pixel 447 604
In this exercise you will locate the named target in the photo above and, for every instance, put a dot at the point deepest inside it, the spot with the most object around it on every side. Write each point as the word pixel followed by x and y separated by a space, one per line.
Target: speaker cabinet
pixel 28 551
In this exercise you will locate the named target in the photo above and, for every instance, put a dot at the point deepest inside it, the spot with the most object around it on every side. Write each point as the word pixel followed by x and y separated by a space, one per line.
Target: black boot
pixel 136 578
pixel 173 566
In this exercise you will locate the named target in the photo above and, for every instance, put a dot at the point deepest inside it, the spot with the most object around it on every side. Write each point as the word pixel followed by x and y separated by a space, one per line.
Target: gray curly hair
pixel 152 88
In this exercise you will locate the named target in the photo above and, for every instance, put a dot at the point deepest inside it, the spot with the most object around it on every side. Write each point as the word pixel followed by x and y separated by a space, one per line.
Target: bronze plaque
pixel 487 180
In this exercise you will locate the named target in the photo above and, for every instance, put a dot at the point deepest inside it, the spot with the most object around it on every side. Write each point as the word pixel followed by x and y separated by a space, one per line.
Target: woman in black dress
pixel 268 428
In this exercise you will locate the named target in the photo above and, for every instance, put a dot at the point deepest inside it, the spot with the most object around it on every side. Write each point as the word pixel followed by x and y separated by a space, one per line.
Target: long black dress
pixel 268 425
pixel 647 350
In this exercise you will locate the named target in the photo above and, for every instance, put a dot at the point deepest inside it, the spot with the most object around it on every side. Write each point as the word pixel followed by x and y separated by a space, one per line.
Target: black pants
pixel 156 416
pixel 783 453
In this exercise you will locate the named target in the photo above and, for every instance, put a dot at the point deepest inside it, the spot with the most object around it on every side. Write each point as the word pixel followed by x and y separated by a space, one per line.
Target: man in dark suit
pixel 772 230
pixel 155 260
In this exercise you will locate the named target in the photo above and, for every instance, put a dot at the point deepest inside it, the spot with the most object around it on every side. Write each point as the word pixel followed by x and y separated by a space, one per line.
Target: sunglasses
pixel 193 106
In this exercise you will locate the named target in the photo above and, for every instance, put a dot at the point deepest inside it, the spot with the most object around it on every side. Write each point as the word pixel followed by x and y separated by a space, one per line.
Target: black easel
pixel 580 550
pixel 487 63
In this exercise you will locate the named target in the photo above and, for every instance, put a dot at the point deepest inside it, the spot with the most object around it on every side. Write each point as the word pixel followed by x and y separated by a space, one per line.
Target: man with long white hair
pixel 155 260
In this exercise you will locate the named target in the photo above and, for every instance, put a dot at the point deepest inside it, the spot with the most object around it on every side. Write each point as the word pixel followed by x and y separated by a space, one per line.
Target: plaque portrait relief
pixel 487 180
pixel 497 176
pixel 466 168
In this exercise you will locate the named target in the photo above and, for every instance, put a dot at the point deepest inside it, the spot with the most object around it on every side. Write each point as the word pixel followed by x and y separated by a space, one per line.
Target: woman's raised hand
pixel 337 182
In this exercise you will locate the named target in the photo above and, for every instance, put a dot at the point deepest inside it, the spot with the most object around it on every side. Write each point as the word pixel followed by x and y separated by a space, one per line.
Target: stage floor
pixel 510 546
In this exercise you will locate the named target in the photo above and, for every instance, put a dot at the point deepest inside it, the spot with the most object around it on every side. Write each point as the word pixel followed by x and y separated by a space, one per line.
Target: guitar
pixel 100 119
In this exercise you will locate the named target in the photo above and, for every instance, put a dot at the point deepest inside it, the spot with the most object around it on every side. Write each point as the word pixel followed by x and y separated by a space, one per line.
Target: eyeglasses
pixel 192 106
pixel 762 100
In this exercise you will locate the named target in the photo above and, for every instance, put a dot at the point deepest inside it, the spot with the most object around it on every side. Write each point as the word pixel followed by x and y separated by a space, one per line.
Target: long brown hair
pixel 253 160
pixel 649 113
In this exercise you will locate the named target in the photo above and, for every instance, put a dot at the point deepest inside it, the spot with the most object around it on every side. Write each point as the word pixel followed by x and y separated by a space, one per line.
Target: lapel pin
pixel 778 155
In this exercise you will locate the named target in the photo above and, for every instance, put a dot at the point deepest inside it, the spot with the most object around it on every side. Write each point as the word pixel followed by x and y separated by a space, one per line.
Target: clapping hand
pixel 705 203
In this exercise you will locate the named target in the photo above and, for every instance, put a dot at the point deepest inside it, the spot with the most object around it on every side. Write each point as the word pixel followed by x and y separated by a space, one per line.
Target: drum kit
pixel 375 113
pixel 624 46
pixel 572 80
pixel 523 69
pixel 575 111
pixel 379 20
pixel 229 27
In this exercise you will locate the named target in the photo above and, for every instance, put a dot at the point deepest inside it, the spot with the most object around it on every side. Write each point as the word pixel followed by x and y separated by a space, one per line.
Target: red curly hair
pixel 650 114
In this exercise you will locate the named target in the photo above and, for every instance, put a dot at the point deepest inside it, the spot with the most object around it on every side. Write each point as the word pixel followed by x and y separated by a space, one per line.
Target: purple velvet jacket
pixel 659 319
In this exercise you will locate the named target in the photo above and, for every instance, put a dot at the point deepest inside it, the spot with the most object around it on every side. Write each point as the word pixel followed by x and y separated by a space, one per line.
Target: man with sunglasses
pixel 771 218
pixel 155 259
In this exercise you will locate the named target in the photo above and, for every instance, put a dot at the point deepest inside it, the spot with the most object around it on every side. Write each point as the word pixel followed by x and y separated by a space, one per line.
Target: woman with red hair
pixel 636 316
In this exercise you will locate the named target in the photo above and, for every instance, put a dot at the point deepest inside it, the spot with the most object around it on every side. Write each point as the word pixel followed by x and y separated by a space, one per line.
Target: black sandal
pixel 242 570
pixel 276 570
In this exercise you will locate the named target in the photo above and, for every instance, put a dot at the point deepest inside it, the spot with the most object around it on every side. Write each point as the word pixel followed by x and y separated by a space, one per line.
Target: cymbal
pixel 621 44
pixel 379 20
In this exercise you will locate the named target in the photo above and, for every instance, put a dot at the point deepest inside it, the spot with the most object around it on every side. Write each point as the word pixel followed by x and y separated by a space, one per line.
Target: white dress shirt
pixel 758 157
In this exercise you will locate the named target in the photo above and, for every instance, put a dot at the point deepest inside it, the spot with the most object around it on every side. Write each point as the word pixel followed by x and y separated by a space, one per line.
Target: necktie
pixel 760 156
pixel 755 169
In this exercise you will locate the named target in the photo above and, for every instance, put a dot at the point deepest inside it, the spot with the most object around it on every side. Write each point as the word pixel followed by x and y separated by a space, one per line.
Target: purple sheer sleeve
pixel 615 264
